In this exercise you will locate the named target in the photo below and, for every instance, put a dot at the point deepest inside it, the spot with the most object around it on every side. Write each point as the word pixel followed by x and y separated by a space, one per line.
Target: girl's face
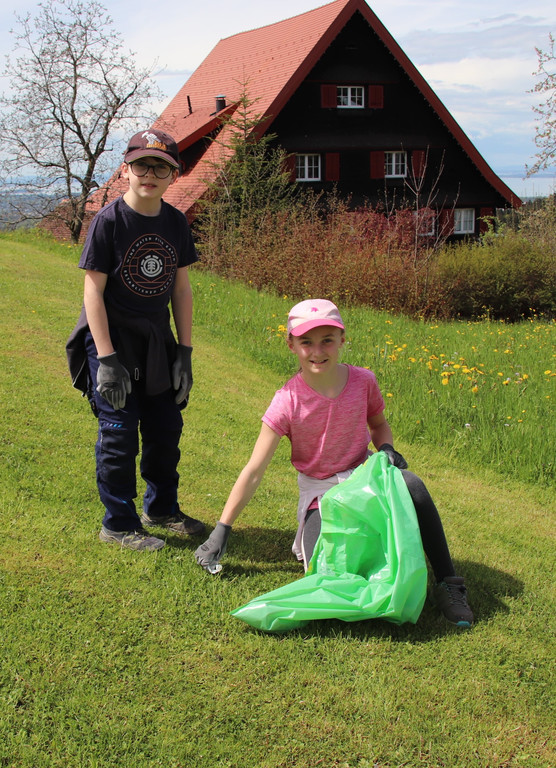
pixel 318 350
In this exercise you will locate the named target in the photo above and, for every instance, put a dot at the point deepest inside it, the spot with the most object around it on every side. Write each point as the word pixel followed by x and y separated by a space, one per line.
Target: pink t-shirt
pixel 328 435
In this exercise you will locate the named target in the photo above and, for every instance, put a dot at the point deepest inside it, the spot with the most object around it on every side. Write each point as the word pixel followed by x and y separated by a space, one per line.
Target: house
pixel 348 105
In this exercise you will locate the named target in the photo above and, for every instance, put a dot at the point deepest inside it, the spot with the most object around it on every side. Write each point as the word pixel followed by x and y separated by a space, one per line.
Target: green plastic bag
pixel 368 562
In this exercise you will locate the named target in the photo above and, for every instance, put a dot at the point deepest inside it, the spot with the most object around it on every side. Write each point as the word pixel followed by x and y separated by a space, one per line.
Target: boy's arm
pixel 182 306
pixel 182 311
pixel 383 440
pixel 97 319
pixel 113 382
pixel 209 553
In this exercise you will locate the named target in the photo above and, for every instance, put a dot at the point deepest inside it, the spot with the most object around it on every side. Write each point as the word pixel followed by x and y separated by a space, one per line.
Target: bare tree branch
pixel 545 136
pixel 73 88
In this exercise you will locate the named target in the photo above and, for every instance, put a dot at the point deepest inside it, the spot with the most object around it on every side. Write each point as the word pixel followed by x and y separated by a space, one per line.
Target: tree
pixel 545 136
pixel 248 179
pixel 73 86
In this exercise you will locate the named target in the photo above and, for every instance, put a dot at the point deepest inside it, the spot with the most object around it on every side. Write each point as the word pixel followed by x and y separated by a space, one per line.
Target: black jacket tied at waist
pixel 145 345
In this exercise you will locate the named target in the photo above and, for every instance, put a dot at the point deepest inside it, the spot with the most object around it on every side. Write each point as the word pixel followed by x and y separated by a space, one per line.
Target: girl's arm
pixel 182 306
pixel 381 431
pixel 381 435
pixel 208 554
pixel 93 298
pixel 251 475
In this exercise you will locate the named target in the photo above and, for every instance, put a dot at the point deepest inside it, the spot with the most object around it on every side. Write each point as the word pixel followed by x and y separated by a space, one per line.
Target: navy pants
pixel 158 421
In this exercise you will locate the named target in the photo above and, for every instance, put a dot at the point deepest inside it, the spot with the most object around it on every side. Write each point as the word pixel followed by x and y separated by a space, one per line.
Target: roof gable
pixel 270 63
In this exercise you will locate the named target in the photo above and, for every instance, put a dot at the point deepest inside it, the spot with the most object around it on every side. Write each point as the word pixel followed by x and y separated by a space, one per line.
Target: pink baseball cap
pixel 310 314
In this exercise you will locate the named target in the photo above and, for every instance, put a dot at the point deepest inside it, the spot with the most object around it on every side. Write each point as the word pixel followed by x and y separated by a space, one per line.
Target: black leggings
pixel 430 525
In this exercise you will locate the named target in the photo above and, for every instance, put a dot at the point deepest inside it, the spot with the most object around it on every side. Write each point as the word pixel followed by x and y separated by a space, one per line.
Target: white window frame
pixel 425 221
pixel 464 221
pixel 308 167
pixel 395 165
pixel 350 96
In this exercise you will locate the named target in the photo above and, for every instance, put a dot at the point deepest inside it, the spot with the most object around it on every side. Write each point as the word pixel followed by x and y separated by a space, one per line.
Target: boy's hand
pixel 394 457
pixel 182 374
pixel 113 381
pixel 209 553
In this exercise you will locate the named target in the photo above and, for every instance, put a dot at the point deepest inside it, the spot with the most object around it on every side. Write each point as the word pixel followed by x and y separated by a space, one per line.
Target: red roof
pixel 271 63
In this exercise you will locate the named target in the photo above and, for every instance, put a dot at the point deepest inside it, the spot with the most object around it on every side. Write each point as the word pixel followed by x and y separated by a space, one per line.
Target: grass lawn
pixel 115 658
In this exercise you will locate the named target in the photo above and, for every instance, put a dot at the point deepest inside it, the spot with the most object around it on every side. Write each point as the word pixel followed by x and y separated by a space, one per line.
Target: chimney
pixel 220 103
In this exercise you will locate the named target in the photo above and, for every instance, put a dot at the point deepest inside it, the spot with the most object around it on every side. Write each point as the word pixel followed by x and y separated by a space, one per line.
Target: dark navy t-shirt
pixel 140 254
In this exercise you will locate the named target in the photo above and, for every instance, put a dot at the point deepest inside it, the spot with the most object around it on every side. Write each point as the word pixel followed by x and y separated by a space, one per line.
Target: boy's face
pixel 318 350
pixel 148 186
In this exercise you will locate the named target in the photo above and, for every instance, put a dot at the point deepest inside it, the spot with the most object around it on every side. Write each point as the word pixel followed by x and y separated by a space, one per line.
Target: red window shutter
pixel 484 213
pixel 332 166
pixel 377 165
pixel 328 96
pixel 376 96
pixel 289 167
pixel 446 222
pixel 418 160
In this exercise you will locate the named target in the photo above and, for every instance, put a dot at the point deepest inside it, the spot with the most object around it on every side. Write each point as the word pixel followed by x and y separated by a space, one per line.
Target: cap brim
pixel 136 154
pixel 299 330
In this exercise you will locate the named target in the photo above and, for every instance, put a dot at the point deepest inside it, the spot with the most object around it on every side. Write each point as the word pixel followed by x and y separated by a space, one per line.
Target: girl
pixel 330 412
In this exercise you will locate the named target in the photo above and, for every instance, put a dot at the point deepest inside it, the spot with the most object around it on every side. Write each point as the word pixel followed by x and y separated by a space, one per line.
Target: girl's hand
pixel 209 553
pixel 394 457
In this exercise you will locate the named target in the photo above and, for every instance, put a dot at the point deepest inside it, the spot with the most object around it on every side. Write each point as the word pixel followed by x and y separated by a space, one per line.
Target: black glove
pixel 395 458
pixel 209 553
pixel 182 375
pixel 113 381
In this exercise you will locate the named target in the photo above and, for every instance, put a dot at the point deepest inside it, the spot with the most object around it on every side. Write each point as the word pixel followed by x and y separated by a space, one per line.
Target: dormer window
pixel 350 97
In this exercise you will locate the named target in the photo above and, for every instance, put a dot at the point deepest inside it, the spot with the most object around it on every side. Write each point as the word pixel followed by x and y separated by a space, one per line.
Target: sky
pixel 479 57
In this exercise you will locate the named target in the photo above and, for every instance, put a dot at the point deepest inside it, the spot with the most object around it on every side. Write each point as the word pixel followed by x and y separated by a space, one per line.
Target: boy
pixel 123 353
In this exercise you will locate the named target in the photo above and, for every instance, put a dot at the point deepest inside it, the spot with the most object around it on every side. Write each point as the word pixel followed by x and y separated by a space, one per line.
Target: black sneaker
pixel 138 540
pixel 451 597
pixel 178 523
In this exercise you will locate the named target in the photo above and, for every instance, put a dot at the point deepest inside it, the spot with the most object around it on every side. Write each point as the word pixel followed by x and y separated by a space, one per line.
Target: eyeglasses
pixel 160 170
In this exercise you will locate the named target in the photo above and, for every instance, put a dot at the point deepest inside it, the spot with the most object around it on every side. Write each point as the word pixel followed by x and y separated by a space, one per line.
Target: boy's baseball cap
pixel 153 143
pixel 311 313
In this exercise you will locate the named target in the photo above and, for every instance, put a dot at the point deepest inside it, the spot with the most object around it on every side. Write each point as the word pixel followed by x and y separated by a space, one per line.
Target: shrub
pixel 355 257
pixel 506 277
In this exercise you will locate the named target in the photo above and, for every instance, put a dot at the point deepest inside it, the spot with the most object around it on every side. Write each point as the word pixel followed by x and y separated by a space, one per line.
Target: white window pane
pixel 350 96
pixel 464 221
pixel 395 164
pixel 307 167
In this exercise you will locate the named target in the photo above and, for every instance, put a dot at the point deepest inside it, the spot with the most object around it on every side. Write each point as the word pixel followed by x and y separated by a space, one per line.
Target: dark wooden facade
pixel 353 143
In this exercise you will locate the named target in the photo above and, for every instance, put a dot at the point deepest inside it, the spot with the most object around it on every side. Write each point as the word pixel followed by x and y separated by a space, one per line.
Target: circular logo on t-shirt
pixel 149 266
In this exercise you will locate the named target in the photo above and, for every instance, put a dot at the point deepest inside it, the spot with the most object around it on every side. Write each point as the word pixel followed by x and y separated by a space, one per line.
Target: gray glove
pixel 395 458
pixel 209 553
pixel 113 381
pixel 182 375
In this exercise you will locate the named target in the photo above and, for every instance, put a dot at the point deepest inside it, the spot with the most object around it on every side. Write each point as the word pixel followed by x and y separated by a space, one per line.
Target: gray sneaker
pixel 138 540
pixel 178 523
pixel 451 597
